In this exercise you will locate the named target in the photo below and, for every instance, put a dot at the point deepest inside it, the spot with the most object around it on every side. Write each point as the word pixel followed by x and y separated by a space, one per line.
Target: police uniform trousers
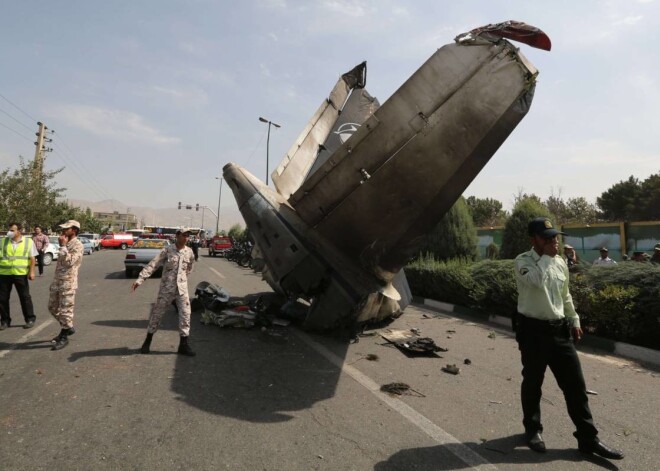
pixel 60 305
pixel 166 295
pixel 545 344
pixel 21 283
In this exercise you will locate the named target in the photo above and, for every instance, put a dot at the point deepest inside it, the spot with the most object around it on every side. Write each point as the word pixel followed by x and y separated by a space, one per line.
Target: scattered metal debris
pixel 451 331
pixel 491 335
pixel 400 389
pixel 409 343
pixel 451 369
pixel 372 357
pixel 592 392
pixel 467 361
pixel 495 402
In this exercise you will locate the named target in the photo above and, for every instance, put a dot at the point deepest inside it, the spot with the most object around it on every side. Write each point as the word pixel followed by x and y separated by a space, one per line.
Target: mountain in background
pixel 165 216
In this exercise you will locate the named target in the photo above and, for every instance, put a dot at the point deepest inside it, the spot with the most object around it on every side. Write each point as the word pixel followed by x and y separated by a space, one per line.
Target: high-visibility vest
pixel 15 261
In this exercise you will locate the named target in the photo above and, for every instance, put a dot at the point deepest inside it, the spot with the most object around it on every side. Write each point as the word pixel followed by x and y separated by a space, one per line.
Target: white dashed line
pixel 31 332
pixel 217 272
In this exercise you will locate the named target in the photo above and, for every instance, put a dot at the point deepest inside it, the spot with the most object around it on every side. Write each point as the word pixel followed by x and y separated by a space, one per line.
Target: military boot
pixel 147 343
pixel 184 348
pixel 61 340
pixel 69 333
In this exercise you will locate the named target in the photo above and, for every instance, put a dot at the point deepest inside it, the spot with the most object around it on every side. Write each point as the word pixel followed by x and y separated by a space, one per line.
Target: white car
pixel 95 239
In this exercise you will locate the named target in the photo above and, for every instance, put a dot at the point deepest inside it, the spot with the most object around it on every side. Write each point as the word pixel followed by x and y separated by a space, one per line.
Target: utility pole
pixel 41 149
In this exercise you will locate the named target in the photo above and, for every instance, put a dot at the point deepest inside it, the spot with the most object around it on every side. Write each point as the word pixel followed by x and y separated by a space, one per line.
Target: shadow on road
pixel 511 449
pixel 116 275
pixel 34 345
pixel 253 376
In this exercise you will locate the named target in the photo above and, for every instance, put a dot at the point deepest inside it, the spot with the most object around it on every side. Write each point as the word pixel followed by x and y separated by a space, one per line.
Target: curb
pixel 626 350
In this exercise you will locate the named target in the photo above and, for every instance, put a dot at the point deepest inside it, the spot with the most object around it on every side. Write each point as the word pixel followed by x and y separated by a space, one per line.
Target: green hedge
pixel 620 302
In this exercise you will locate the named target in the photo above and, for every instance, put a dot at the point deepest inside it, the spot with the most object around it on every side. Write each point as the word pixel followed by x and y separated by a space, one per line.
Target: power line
pixel 26 127
pixel 83 168
pixel 15 131
pixel 15 106
pixel 255 147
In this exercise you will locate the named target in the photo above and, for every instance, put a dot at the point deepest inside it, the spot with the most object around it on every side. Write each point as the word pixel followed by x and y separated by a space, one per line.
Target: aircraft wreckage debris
pixel 353 203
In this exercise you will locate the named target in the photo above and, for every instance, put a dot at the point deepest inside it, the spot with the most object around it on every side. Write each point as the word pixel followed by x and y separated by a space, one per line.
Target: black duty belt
pixel 554 323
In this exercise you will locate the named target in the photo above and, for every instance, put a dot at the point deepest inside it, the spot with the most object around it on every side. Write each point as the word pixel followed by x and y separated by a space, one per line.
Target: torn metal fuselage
pixel 356 197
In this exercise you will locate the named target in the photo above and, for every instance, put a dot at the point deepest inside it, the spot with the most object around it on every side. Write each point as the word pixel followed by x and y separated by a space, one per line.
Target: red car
pixel 219 246
pixel 120 240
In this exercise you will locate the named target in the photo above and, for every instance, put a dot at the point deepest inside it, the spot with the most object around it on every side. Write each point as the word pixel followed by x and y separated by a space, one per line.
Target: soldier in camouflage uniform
pixel 177 262
pixel 64 285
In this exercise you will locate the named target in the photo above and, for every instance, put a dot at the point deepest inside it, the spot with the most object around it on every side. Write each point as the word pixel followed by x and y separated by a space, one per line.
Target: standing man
pixel 604 258
pixel 16 269
pixel 64 285
pixel 41 242
pixel 177 262
pixel 546 321
pixel 656 254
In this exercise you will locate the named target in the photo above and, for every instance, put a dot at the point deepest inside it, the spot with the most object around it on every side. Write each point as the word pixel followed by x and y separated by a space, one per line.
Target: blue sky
pixel 149 99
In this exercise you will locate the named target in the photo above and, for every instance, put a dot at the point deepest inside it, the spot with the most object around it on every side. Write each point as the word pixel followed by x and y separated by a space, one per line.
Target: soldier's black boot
pixel 68 332
pixel 147 343
pixel 184 348
pixel 61 340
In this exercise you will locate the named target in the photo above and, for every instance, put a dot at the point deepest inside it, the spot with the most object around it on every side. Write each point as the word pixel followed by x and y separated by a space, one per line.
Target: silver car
pixel 141 253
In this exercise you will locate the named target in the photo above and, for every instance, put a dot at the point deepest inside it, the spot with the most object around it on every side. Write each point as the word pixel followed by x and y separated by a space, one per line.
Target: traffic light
pixel 179 204
pixel 197 207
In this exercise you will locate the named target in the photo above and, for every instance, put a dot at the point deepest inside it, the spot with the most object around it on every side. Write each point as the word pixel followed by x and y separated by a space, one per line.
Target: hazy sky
pixel 149 99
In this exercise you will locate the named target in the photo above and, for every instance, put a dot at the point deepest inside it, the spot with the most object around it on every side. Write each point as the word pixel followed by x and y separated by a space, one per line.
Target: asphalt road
pixel 250 401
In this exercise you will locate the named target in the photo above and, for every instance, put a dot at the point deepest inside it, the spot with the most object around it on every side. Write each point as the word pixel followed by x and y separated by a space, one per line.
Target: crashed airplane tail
pixel 363 189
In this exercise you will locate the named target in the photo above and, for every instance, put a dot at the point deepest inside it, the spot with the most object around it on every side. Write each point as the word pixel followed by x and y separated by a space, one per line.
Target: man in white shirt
pixel 604 259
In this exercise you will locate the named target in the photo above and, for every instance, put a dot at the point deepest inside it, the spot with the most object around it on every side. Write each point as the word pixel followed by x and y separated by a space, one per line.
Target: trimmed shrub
pixel 495 286
pixel 447 281
pixel 621 302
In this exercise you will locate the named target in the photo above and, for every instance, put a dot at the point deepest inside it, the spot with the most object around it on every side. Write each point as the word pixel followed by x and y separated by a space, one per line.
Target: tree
pixel 649 204
pixel 28 196
pixel 515 239
pixel 580 210
pixel 236 232
pixel 455 236
pixel 486 211
pixel 621 201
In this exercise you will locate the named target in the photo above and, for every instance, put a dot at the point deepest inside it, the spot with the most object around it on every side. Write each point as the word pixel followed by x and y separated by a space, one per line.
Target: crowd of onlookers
pixel 570 255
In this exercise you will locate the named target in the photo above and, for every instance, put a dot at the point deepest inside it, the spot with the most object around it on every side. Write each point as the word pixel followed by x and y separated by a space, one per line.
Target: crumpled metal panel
pixel 402 170
pixel 298 161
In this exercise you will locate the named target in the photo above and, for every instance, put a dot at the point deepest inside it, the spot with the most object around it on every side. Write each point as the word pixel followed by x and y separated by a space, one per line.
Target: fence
pixel 618 237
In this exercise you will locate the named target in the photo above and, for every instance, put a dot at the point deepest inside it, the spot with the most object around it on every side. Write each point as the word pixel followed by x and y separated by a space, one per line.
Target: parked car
pixel 219 245
pixel 119 240
pixel 94 238
pixel 142 252
pixel 87 244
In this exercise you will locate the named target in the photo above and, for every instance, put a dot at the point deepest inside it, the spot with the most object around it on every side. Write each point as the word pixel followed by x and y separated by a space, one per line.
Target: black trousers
pixel 543 344
pixel 23 289
pixel 40 262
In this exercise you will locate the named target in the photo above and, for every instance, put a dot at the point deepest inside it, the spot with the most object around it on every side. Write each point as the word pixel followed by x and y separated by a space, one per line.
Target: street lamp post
pixel 217 223
pixel 264 120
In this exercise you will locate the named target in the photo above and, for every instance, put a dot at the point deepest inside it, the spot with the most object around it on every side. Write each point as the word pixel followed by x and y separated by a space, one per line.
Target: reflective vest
pixel 15 261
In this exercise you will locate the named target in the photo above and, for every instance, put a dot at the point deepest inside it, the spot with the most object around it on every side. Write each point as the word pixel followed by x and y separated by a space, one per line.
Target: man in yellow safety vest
pixel 16 269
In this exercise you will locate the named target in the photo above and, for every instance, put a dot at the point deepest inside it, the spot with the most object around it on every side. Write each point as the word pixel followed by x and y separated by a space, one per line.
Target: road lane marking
pixel 461 451
pixel 217 272
pixel 33 331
